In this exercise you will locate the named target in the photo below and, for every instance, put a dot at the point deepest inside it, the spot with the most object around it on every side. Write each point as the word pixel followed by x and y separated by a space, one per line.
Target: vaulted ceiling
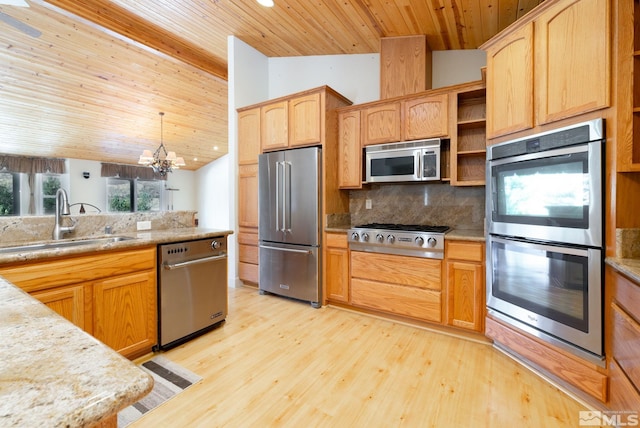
pixel 86 79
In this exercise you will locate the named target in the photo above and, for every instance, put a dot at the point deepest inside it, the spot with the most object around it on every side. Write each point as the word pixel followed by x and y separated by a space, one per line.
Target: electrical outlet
pixel 144 225
pixel 367 204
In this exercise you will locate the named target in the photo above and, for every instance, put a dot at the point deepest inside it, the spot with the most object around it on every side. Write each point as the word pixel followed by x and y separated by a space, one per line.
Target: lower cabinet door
pixel 69 302
pixel 125 313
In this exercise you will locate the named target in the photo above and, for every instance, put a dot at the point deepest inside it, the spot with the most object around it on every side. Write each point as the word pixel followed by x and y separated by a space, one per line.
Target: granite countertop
pixel 628 267
pixel 54 374
pixel 141 239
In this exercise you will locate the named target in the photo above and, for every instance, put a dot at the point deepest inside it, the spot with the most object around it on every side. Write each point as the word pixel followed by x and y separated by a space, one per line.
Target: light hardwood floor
pixel 278 362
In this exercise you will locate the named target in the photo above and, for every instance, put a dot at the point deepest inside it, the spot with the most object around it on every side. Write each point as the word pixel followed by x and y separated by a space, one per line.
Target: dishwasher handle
pixel 171 266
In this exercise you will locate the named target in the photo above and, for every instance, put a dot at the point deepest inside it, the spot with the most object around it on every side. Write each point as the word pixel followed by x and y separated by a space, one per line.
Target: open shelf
pixel 469 144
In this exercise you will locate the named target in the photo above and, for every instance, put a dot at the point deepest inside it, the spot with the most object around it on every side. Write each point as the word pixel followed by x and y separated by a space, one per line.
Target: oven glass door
pixel 388 165
pixel 552 288
pixel 554 196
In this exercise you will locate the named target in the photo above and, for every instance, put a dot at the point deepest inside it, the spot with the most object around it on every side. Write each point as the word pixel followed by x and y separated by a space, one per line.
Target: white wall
pixel 357 77
pixel 454 67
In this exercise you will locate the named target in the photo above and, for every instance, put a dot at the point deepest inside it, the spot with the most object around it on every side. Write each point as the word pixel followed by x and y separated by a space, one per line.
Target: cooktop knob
pixel 215 245
pixel 365 237
pixel 355 236
pixel 391 239
pixel 420 241
pixel 379 238
pixel 432 242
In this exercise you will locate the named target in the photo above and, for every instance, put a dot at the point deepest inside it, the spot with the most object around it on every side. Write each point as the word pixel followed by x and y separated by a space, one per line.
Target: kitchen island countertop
pixel 54 374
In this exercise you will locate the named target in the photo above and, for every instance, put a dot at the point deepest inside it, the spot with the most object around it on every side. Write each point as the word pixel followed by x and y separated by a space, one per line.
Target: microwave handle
pixel 418 162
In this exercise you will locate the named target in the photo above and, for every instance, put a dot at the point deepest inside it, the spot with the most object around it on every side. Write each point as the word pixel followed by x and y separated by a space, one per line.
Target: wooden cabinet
pixel 624 342
pixel 468 137
pixel 349 150
pixel 405 65
pixel 248 136
pixel 69 301
pixel 407 286
pixel 553 65
pixel 305 120
pixel 248 195
pixel 124 309
pixel 274 121
pixel 336 258
pixel 510 83
pixel 425 117
pixel 465 284
pixel 111 295
pixel 628 86
pixel 248 255
pixel 573 55
pixel 381 124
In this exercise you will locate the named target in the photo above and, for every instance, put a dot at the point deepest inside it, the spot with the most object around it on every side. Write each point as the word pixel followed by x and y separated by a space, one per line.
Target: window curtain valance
pixel 129 172
pixel 32 165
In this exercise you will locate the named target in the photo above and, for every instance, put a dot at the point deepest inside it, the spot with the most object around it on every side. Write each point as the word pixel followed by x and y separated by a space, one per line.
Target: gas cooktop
pixel 405 227
pixel 402 239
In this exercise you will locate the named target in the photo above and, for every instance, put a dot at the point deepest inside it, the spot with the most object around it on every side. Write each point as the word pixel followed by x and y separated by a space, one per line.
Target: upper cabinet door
pixel 273 124
pixel 305 114
pixel 426 117
pixel 349 150
pixel 248 136
pixel 510 83
pixel 381 124
pixel 573 51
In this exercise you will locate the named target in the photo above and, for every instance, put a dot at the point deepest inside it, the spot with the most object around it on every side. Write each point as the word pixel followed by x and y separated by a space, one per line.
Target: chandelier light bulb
pixel 159 165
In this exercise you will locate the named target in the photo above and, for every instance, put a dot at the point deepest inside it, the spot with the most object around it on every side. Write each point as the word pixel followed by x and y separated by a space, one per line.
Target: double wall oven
pixel 544 202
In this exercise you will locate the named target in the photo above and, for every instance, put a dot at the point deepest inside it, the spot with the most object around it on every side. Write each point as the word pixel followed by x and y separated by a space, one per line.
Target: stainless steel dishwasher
pixel 192 289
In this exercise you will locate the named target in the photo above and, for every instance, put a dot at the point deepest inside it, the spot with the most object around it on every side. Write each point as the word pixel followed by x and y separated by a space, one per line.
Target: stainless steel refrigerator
pixel 289 183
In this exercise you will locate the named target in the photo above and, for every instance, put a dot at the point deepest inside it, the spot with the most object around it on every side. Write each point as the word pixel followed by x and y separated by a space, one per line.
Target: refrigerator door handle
pixel 277 195
pixel 286 206
pixel 287 250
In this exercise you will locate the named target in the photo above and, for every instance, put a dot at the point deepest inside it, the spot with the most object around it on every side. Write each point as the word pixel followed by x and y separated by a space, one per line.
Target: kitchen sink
pixel 54 245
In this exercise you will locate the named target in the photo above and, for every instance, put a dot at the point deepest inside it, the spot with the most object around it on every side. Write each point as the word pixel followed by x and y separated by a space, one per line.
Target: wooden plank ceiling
pixel 86 79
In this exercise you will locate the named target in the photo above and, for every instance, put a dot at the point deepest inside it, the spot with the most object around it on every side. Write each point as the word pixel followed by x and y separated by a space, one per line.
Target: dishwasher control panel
pixel 190 250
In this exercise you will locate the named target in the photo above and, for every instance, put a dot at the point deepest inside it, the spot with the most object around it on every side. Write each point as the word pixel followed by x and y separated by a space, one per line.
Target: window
pixel 50 183
pixel 126 195
pixel 9 194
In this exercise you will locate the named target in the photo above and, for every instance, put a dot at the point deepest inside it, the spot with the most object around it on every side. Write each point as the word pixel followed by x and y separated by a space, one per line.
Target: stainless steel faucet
pixel 62 209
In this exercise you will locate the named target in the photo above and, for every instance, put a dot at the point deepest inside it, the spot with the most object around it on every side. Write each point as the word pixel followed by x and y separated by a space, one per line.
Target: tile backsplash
pixel 433 204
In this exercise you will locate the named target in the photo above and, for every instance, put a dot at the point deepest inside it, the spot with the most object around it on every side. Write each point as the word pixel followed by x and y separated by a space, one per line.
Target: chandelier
pixel 161 166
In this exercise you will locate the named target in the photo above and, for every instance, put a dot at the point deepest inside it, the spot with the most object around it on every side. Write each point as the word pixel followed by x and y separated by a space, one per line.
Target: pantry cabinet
pixel 111 295
pixel 553 65
pixel 465 284
pixel 248 136
pixel 336 267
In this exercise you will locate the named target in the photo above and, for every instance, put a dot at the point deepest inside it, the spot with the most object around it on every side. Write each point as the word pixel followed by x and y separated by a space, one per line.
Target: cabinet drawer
pixel 401 270
pixel 459 250
pixel 248 237
pixel 626 342
pixel 337 240
pixel 622 393
pixel 627 295
pixel 248 272
pixel 397 299
pixel 248 253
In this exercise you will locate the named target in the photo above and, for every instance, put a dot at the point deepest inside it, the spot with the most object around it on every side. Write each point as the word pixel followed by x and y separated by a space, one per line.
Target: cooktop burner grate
pixel 405 227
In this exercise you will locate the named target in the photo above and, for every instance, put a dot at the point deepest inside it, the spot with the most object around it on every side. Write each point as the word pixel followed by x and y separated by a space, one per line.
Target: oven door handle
pixel 171 266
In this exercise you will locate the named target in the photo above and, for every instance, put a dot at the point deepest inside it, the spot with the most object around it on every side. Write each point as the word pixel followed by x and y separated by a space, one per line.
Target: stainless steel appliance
pixel 192 294
pixel 545 236
pixel 289 189
pixel 408 161
pixel 408 240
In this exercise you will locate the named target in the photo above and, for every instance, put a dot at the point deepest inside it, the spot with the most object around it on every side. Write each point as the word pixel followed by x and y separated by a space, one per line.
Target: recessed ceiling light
pixel 266 3
pixel 195 159
pixel 215 148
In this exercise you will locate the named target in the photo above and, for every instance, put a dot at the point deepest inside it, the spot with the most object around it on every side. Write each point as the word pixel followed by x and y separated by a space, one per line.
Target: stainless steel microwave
pixel 417 160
